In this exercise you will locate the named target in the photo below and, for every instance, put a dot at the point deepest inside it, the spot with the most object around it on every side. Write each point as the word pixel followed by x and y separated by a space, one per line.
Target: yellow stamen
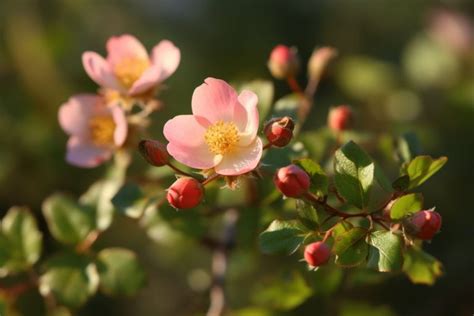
pixel 222 137
pixel 102 130
pixel 129 70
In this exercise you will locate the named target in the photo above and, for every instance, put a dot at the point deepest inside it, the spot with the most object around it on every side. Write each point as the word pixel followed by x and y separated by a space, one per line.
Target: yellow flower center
pixel 129 70
pixel 102 130
pixel 222 137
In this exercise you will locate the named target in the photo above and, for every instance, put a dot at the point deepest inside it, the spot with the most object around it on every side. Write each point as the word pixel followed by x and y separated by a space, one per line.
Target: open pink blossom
pixel 221 133
pixel 96 129
pixel 128 68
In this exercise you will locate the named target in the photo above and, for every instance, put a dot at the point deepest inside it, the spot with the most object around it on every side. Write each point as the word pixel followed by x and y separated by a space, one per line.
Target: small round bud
pixel 425 224
pixel 292 181
pixel 185 193
pixel 154 152
pixel 279 131
pixel 319 60
pixel 340 118
pixel 317 254
pixel 283 62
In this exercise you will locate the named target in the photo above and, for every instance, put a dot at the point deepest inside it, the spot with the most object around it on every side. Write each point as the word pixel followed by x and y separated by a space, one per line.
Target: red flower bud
pixel 425 224
pixel 154 152
pixel 317 254
pixel 283 62
pixel 185 193
pixel 279 131
pixel 340 118
pixel 292 181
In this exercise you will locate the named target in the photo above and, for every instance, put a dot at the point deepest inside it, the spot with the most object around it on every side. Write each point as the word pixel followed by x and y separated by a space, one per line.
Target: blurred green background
pixel 398 72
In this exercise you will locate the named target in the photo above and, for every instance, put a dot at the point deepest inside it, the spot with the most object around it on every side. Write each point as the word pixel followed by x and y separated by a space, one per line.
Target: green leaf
pixel 281 236
pixel 69 222
pixel 264 90
pixel 284 292
pixel 422 168
pixel 421 267
pixel 354 255
pixel 307 214
pixel 288 106
pixel 385 253
pixel 349 244
pixel 319 179
pixel 358 179
pixel 401 183
pixel 406 205
pixel 21 240
pixel 408 146
pixel 363 309
pixel 70 278
pixel 120 272
pixel 131 201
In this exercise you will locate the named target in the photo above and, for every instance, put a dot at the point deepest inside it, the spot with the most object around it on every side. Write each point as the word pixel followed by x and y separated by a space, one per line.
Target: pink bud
pixel 319 60
pixel 185 193
pixel 340 118
pixel 154 152
pixel 317 254
pixel 292 181
pixel 279 131
pixel 283 62
pixel 425 224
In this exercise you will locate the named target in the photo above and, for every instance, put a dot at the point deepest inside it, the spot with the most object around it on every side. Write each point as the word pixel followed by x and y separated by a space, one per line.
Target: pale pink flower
pixel 128 68
pixel 221 133
pixel 96 129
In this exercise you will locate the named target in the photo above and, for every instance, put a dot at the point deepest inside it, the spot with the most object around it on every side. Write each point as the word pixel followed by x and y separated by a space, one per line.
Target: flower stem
pixel 184 173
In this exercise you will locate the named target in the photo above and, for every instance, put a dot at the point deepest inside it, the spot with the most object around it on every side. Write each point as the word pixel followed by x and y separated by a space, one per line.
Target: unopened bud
pixel 319 60
pixel 283 62
pixel 154 152
pixel 292 181
pixel 424 224
pixel 340 118
pixel 185 193
pixel 279 131
pixel 317 254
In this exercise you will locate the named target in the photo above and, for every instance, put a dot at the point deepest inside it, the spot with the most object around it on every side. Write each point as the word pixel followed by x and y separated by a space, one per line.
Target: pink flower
pixel 96 130
pixel 221 133
pixel 128 68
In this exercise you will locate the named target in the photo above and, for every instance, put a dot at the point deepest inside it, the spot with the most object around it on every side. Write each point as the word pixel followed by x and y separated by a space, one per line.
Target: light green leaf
pixel 281 236
pixel 264 90
pixel 406 205
pixel 385 253
pixel 421 267
pixel 70 278
pixel 120 272
pixel 319 179
pixel 68 221
pixel 422 168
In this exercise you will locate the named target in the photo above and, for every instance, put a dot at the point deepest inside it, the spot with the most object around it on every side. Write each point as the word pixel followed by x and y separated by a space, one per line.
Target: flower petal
pixel 148 79
pixel 245 159
pixel 74 115
pixel 215 100
pixel 121 125
pixel 249 101
pixel 166 56
pixel 99 70
pixel 84 154
pixel 198 157
pixel 124 46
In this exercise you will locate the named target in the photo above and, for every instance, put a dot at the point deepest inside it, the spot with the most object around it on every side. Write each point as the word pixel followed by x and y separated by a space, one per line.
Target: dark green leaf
pixel 422 168
pixel 385 253
pixel 354 255
pixel 287 106
pixel 408 146
pixel 281 236
pixel 406 205
pixel 319 179
pixel 120 272
pixel 131 201
pixel 363 309
pixel 70 278
pixel 401 184
pixel 344 241
pixel 421 267
pixel 68 221
pixel 307 214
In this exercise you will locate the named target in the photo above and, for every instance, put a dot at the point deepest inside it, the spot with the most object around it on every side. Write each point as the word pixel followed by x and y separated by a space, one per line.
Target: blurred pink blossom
pixel 128 68
pixel 221 133
pixel 452 29
pixel 96 129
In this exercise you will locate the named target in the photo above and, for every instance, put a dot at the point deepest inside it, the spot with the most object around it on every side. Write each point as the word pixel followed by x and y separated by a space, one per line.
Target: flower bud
pixel 283 62
pixel 319 60
pixel 279 131
pixel 340 118
pixel 185 193
pixel 292 181
pixel 154 152
pixel 317 254
pixel 425 224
